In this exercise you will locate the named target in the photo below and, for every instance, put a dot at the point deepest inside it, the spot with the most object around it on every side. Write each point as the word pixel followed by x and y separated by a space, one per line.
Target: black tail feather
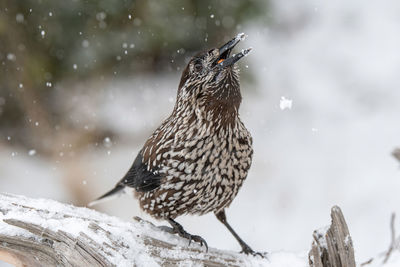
pixel 113 192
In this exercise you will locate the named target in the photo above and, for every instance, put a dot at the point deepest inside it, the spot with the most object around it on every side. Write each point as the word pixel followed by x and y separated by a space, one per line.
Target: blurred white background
pixel 339 64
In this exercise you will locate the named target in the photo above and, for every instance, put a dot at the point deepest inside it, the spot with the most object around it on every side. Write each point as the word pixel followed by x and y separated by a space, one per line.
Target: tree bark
pixel 333 247
pixel 39 232
pixel 47 233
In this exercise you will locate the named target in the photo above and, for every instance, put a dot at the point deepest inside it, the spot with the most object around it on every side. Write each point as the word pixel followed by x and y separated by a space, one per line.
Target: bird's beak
pixel 224 51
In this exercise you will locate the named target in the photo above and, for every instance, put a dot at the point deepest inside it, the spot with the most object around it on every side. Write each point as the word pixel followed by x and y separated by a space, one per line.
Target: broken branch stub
pixel 332 247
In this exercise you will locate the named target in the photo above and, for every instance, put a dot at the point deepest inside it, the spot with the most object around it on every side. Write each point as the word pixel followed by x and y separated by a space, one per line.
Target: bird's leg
pixel 178 229
pixel 166 229
pixel 245 248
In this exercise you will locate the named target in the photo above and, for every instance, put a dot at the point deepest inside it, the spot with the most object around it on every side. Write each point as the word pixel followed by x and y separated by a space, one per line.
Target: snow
pixel 11 57
pixel 322 233
pixel 240 36
pixel 85 43
pixel 339 61
pixel 19 18
pixel 56 216
pixel 284 259
pixel 107 142
pixel 285 103
pixel 73 221
pixel 341 65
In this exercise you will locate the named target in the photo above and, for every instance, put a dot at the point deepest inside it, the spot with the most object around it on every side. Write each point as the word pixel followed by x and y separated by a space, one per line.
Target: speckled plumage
pixel 196 161
pixel 202 167
pixel 202 151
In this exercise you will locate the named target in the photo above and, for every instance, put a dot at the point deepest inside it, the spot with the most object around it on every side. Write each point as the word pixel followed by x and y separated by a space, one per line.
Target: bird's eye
pixel 198 67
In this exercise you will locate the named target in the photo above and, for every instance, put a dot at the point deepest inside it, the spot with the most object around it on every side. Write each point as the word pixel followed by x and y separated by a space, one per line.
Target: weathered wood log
pixel 332 247
pixel 37 232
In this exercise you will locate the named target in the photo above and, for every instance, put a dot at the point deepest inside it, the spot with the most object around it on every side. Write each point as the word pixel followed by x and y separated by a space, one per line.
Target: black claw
pixel 221 216
pixel 198 239
pixel 248 251
pixel 253 253
pixel 178 229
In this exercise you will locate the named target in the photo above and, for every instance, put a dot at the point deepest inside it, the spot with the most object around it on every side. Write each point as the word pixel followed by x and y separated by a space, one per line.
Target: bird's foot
pixel 249 251
pixel 178 229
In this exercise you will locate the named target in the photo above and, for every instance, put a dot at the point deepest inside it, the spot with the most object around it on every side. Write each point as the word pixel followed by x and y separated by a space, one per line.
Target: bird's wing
pixel 140 177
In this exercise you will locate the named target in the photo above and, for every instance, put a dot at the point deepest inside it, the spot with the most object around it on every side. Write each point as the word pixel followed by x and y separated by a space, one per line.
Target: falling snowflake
pixel 285 103
pixel 11 57
pixel 85 43
pixel 107 142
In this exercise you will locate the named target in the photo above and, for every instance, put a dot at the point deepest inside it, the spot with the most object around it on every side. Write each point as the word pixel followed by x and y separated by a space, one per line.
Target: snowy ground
pixel 339 63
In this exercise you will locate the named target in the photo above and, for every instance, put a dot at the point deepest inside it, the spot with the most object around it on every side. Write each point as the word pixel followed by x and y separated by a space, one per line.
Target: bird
pixel 195 162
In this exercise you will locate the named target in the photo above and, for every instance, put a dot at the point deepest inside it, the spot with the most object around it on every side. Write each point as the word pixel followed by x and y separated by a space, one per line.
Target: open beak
pixel 224 60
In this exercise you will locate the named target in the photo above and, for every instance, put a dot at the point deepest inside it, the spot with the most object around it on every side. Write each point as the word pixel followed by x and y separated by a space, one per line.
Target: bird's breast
pixel 202 172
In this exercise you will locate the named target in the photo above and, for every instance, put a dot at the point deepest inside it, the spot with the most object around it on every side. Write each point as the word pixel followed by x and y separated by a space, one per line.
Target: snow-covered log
pixel 333 247
pixel 41 232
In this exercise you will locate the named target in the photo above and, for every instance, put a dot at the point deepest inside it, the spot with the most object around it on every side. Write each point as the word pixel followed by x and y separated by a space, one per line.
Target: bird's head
pixel 210 80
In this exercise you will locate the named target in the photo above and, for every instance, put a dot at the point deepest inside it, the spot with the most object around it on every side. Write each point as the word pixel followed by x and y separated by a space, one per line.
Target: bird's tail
pixel 117 191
